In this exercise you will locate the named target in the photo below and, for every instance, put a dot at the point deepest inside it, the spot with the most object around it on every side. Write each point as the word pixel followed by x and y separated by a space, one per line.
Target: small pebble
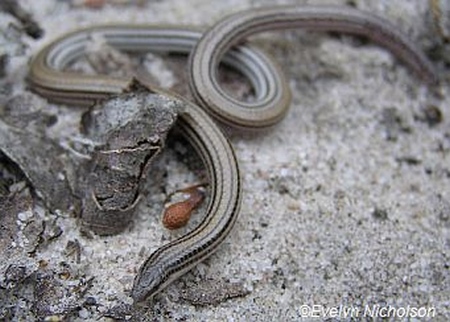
pixel 83 313
pixel 25 216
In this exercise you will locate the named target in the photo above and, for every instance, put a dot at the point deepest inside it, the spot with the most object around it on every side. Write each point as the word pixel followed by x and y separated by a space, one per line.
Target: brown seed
pixel 178 214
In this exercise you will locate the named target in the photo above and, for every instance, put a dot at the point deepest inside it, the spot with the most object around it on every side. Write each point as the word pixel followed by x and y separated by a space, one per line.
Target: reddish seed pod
pixel 178 214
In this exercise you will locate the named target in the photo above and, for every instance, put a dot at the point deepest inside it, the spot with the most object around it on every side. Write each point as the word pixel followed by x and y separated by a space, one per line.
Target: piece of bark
pixel 129 131
pixel 43 163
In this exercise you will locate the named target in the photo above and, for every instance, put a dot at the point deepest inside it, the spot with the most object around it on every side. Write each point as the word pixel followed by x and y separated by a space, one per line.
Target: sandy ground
pixel 346 209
